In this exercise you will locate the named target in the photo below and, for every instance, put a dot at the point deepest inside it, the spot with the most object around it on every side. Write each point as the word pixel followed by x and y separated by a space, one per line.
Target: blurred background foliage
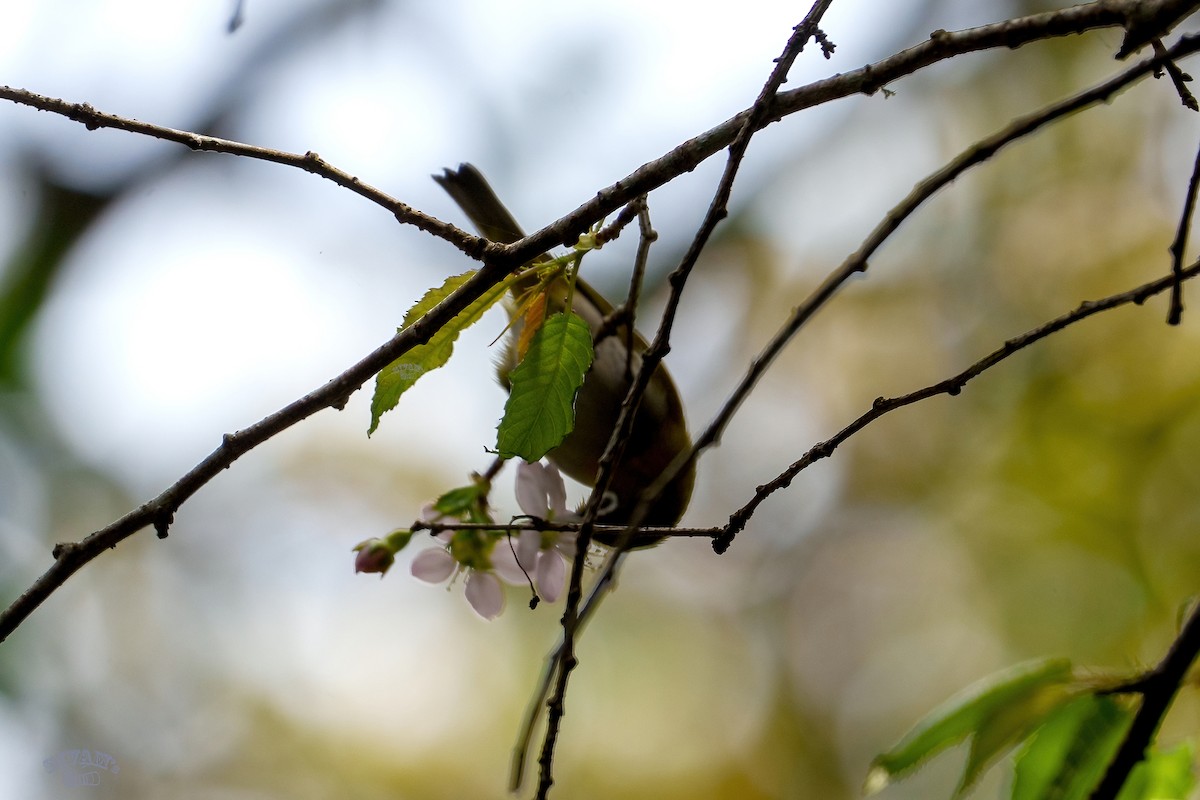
pixel 152 299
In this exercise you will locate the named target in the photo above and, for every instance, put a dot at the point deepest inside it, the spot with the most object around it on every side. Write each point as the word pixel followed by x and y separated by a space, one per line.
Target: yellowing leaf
pixel 535 316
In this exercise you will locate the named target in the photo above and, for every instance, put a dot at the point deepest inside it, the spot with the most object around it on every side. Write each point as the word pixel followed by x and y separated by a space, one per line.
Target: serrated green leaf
pixel 1009 704
pixel 1163 775
pixel 1067 756
pixel 400 375
pixel 540 411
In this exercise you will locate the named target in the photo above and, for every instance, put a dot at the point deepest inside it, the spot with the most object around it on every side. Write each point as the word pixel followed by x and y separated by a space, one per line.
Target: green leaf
pixel 398 539
pixel 460 501
pixel 998 711
pixel 1067 756
pixel 1163 775
pixel 540 411
pixel 399 376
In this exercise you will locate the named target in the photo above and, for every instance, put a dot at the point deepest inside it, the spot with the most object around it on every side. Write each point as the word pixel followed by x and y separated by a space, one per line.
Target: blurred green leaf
pixel 1067 756
pixel 460 501
pixel 540 411
pixel 398 539
pixel 1163 775
pixel 998 712
pixel 400 375
pixel 31 272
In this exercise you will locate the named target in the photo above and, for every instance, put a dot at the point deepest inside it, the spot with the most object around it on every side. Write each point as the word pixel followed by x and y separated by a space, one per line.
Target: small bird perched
pixel 659 431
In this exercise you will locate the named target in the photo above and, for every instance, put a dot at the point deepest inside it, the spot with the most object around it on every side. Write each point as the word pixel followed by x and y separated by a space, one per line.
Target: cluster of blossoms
pixel 486 557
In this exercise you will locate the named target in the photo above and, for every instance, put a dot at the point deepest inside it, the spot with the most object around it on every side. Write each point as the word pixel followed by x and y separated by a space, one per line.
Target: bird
pixel 659 432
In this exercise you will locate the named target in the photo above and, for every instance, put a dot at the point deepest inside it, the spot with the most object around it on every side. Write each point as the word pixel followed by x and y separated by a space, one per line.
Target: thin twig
pixel 651 533
pixel 537 700
pixel 1179 245
pixel 619 316
pixel 1156 17
pixel 857 262
pixel 625 315
pixel 309 162
pixel 951 386
pixel 647 236
pixel 626 215
pixel 1179 78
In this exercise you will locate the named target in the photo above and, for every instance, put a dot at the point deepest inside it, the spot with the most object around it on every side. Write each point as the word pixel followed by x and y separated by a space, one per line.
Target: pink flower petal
pixel 484 594
pixel 565 543
pixel 551 575
pixel 527 549
pixel 556 492
pixel 434 565
pixel 531 495
pixel 505 564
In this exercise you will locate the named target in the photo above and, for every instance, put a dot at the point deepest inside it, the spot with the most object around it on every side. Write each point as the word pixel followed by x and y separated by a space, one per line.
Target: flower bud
pixel 374 555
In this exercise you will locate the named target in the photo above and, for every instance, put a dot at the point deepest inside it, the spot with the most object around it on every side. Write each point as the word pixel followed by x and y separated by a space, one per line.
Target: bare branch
pixel 857 262
pixel 951 386
pixel 159 512
pixel 1179 245
pixel 649 534
pixel 625 314
pixel 1143 15
pixel 1158 688
pixel 309 162
pixel 1179 78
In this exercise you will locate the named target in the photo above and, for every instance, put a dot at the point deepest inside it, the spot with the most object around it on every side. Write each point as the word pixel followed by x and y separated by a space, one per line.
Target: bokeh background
pixel 152 299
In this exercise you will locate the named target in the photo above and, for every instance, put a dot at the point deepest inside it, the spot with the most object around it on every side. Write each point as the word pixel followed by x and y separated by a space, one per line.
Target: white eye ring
pixel 608 503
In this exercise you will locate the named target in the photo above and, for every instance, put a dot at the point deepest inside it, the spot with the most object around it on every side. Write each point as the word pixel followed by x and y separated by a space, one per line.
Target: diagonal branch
pixel 1149 19
pixel 159 512
pixel 1158 689
pixel 858 261
pixel 952 386
pixel 309 162
pixel 1178 247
